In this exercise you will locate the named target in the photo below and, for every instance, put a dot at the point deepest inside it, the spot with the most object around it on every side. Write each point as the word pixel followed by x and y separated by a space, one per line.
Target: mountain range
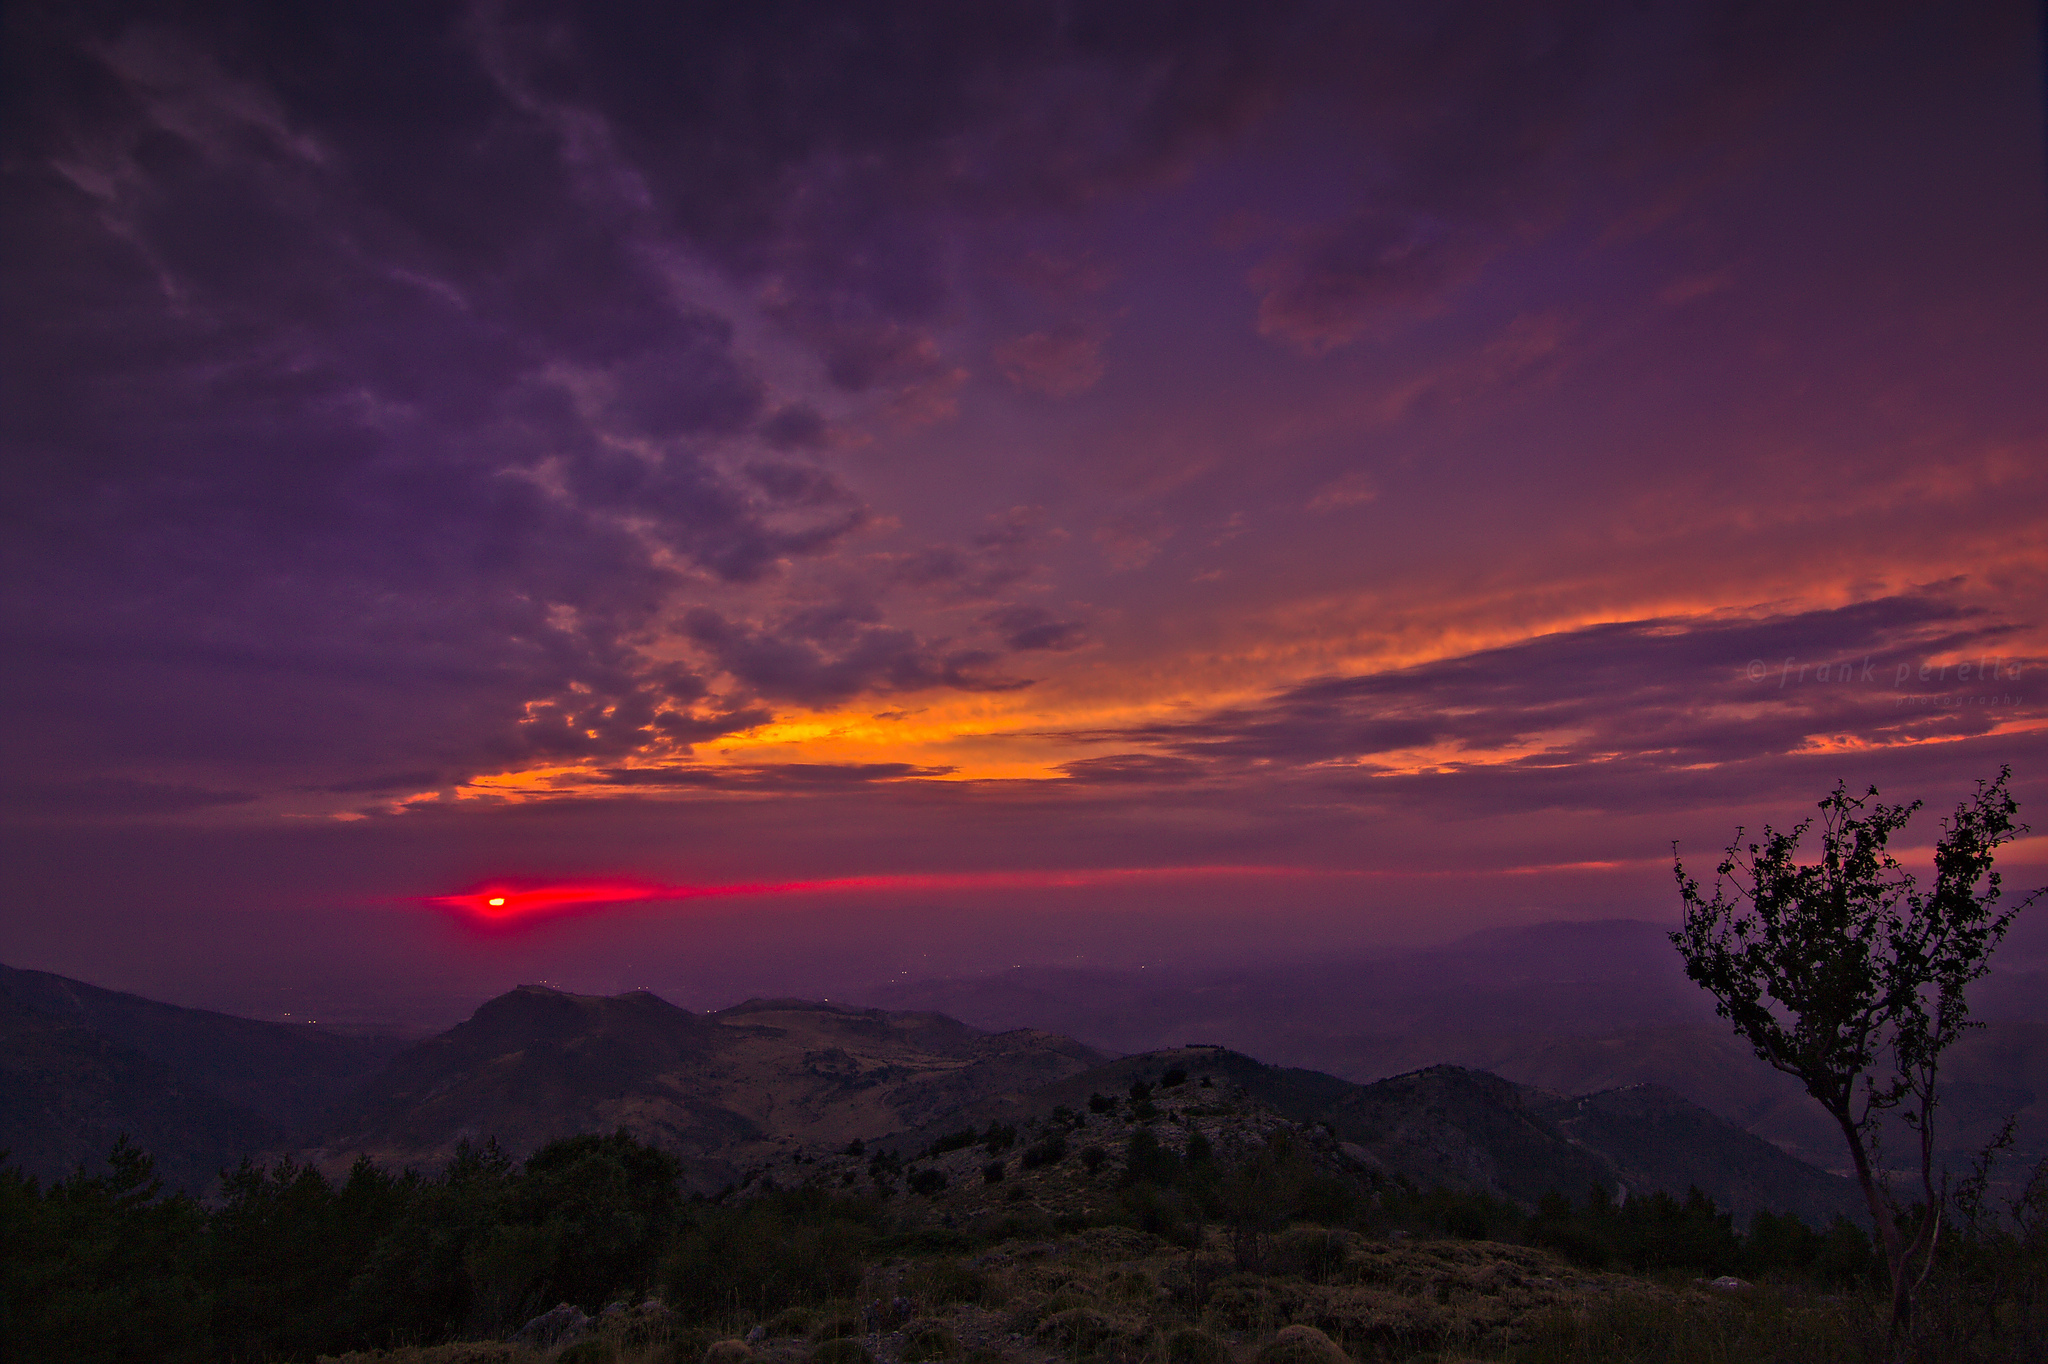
pixel 1512 1063
pixel 775 1084
pixel 1573 1008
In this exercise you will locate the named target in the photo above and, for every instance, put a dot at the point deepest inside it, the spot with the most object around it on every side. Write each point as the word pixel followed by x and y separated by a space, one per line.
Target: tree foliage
pixel 1845 974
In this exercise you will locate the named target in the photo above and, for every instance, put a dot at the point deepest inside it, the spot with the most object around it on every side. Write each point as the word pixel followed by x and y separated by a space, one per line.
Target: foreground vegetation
pixel 1185 1258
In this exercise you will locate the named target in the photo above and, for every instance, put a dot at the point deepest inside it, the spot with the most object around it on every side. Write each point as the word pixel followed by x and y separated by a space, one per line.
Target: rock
pixel 757 1335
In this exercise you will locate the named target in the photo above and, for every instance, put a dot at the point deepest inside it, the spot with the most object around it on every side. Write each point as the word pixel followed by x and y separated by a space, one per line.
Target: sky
pixel 899 489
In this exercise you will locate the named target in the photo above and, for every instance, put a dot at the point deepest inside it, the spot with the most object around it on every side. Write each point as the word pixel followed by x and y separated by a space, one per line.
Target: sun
pixel 497 900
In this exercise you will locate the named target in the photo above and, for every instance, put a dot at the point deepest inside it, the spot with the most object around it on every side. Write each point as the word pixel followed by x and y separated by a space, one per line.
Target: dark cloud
pixel 1605 712
pixel 1481 140
pixel 1025 628
pixel 1133 769
pixel 112 798
pixel 995 558
pixel 826 654
pixel 792 777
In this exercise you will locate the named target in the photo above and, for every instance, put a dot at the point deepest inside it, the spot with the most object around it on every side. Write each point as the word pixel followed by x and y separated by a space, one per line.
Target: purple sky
pixel 1425 459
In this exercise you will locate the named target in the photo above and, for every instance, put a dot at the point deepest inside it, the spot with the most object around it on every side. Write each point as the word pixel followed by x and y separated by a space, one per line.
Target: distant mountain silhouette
pixel 1569 1007
pixel 782 1083
pixel 198 1090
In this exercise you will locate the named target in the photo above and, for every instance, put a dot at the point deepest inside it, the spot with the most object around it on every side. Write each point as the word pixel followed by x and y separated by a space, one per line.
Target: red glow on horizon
pixel 508 902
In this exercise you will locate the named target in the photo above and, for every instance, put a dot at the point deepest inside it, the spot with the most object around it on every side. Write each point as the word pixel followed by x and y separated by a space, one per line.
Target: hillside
pixel 1441 1126
pixel 1574 1008
pixel 199 1090
pixel 67 1093
pixel 724 1091
pixel 287 1074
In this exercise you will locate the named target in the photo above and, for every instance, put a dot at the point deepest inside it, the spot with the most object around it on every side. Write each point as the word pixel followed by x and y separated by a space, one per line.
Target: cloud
pixel 1331 285
pixel 1027 628
pixel 1058 363
pixel 1602 713
pixel 1352 489
pixel 112 798
pixel 826 654
pixel 793 777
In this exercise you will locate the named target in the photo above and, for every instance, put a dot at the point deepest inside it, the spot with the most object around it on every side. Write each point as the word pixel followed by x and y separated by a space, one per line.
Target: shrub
pixel 1049 1151
pixel 593 1351
pixel 1302 1345
pixel 956 1141
pixel 999 1137
pixel 1192 1345
pixel 927 1182
pixel 1140 1091
pixel 946 1280
pixel 930 1341
pixel 728 1352
pixel 992 1173
pixel 1173 1078
pixel 1310 1252
pixel 791 1321
pixel 842 1350
pixel 1098 1103
pixel 1092 1157
pixel 1085 1331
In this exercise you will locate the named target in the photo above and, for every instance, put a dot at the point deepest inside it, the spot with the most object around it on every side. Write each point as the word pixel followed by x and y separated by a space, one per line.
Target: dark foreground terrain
pixel 1182 1220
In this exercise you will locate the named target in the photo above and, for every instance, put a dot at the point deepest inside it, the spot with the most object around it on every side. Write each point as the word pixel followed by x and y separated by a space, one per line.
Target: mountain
pixel 80 1066
pixel 1444 1125
pixel 68 1093
pixel 287 1074
pixel 1569 1007
pixel 725 1090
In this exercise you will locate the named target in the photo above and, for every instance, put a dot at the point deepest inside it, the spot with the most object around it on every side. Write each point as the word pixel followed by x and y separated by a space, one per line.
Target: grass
pixel 1116 1296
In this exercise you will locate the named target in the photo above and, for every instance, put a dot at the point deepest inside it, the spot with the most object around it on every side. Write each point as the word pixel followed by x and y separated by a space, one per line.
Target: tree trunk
pixel 1880 1213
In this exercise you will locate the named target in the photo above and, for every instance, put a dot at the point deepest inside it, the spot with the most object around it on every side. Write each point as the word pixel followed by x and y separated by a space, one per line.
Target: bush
pixel 1049 1151
pixel 930 1341
pixel 594 1351
pixel 1000 1137
pixel 1192 1345
pixel 791 1321
pixel 772 1252
pixel 1092 1158
pixel 1310 1252
pixel 1085 1331
pixel 927 1182
pixel 937 1282
pixel 842 1350
pixel 956 1141
pixel 728 1352
pixel 992 1173
pixel 1302 1345
pixel 1098 1103
pixel 1173 1079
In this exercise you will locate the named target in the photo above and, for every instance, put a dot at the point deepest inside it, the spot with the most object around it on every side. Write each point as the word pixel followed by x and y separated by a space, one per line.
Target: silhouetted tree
pixel 1845 975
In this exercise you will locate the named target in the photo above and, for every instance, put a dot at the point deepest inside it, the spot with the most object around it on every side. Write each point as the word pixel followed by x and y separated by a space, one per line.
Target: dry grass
pixel 1115 1296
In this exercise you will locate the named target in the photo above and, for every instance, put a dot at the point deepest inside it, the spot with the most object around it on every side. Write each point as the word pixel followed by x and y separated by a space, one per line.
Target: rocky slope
pixel 1439 1126
pixel 726 1091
